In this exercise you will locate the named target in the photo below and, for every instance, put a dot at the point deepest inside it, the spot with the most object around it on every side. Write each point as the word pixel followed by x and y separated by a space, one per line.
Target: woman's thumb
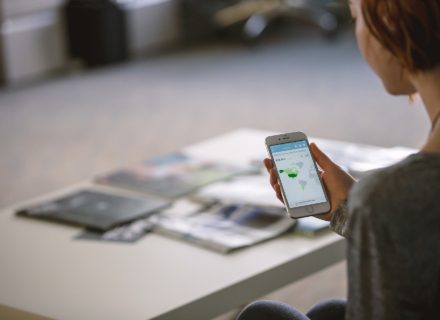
pixel 320 157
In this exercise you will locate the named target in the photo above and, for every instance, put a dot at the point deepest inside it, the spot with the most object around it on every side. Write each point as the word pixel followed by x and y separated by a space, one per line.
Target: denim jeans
pixel 333 309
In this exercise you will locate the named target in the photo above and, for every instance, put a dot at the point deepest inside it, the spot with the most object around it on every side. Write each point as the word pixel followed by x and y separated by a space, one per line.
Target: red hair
pixel 409 29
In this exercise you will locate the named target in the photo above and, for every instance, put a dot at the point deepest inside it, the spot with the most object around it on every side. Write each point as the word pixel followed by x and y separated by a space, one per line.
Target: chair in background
pixel 253 17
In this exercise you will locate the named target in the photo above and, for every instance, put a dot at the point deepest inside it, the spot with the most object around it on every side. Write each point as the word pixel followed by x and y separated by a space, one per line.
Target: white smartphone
pixel 301 186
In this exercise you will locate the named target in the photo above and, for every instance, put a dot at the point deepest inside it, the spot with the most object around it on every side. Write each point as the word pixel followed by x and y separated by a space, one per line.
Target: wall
pixel 32 39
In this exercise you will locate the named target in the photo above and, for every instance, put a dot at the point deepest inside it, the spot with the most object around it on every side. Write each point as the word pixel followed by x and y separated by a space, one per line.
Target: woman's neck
pixel 428 86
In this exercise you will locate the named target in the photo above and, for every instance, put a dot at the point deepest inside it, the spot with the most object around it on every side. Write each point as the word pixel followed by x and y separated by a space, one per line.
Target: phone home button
pixel 310 209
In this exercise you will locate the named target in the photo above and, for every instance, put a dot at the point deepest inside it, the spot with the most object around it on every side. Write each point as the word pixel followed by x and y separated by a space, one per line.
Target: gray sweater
pixel 392 225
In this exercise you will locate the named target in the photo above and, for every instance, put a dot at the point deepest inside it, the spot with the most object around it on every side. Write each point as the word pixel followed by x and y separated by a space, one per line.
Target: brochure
pixel 224 228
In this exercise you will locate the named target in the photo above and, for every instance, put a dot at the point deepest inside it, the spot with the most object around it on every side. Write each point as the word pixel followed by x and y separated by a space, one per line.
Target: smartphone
pixel 301 186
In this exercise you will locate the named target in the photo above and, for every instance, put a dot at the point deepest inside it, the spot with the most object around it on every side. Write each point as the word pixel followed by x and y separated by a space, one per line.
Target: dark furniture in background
pixel 250 18
pixel 96 31
pixel 39 37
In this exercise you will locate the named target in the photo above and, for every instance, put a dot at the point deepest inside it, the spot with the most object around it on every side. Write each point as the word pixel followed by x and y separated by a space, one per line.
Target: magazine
pixel 93 209
pixel 224 228
pixel 171 176
pixel 360 159
pixel 127 233
pixel 311 226
pixel 250 190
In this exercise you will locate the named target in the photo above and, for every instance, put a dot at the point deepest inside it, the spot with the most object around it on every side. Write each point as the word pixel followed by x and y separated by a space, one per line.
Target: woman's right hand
pixel 337 181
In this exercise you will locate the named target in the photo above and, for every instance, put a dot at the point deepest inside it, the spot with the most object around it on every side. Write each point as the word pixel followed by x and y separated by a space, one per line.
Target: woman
pixel 391 218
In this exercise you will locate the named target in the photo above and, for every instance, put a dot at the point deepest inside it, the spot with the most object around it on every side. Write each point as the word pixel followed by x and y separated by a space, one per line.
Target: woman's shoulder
pixel 400 187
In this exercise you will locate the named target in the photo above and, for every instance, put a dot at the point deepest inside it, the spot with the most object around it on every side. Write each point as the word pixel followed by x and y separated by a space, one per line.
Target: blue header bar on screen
pixel 288 146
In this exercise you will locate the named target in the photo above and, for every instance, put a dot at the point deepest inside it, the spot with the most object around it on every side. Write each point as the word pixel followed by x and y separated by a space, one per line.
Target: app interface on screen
pixel 298 175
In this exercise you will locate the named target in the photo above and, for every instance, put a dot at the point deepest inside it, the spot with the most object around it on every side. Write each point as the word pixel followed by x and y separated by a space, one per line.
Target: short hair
pixel 409 29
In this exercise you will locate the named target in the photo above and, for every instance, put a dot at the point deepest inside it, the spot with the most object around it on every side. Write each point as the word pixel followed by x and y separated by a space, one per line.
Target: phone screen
pixel 298 175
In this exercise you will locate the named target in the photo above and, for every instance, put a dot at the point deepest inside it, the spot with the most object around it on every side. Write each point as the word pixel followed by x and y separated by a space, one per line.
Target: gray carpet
pixel 65 130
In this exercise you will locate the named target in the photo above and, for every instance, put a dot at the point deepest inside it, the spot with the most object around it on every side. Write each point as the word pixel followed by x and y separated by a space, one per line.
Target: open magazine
pixel 224 228
pixel 171 176
pixel 360 159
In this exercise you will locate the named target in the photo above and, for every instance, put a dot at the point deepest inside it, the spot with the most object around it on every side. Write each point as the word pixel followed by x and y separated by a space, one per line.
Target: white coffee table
pixel 46 272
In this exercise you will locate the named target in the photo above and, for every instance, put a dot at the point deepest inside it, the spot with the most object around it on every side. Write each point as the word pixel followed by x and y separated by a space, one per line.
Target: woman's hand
pixel 337 182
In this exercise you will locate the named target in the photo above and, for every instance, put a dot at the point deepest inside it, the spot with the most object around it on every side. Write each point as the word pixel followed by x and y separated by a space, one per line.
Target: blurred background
pixel 91 85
